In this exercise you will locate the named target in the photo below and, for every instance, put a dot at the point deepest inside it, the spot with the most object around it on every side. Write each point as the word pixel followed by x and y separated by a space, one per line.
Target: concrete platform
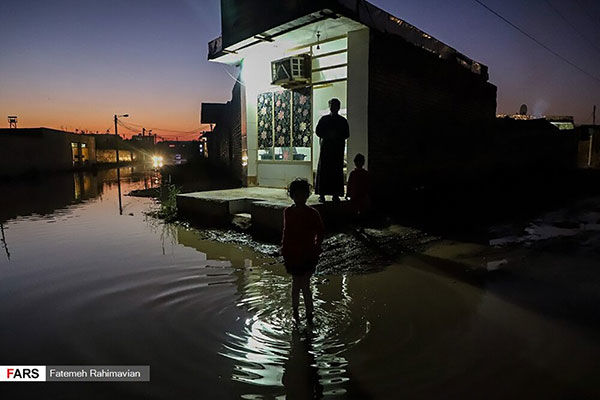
pixel 264 205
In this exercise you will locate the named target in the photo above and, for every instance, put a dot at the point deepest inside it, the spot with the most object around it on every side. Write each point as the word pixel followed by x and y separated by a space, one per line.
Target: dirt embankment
pixel 353 251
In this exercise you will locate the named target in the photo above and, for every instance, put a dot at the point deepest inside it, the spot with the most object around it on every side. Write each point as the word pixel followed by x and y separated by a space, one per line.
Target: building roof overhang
pixel 353 13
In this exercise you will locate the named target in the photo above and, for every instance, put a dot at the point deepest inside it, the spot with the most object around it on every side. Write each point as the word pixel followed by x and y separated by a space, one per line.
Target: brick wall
pixel 425 113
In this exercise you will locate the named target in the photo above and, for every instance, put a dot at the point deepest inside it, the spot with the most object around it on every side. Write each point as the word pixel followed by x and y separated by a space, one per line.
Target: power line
pixel 571 63
pixel 589 118
pixel 192 134
pixel 587 12
pixel 121 123
pixel 561 15
pixel 164 129
pixel 232 77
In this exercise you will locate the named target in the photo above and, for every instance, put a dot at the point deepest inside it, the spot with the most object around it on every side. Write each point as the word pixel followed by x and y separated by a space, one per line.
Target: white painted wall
pixel 256 76
pixel 321 97
pixel 358 95
pixel 274 174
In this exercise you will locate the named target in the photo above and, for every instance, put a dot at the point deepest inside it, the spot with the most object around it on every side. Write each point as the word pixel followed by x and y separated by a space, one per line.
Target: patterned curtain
pixel 282 114
pixel 285 119
pixel 302 118
pixel 265 121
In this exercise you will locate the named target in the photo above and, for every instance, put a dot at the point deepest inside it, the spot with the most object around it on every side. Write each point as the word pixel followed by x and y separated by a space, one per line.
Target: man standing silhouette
pixel 333 130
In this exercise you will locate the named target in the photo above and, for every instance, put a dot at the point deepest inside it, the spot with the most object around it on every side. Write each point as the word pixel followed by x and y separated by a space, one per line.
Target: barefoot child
pixel 301 244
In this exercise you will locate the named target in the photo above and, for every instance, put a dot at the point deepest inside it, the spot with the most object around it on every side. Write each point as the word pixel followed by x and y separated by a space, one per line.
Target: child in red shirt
pixel 359 187
pixel 301 244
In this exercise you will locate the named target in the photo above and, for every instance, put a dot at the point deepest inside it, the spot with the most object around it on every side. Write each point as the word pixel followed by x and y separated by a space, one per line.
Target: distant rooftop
pixel 40 130
pixel 25 131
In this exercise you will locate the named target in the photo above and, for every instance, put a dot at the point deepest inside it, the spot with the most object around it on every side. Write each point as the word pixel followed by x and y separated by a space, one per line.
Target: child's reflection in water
pixel 301 375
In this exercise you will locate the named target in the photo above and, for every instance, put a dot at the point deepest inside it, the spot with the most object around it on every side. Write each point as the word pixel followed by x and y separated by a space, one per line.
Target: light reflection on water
pixel 85 285
pixel 269 337
pixel 270 351
pixel 106 287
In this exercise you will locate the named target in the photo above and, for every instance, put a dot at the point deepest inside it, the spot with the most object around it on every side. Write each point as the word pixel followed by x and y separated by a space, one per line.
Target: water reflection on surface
pixel 82 284
pixel 44 196
pixel 268 341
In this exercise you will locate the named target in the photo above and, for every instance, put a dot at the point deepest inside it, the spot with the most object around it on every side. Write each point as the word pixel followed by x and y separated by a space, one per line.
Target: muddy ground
pixel 353 251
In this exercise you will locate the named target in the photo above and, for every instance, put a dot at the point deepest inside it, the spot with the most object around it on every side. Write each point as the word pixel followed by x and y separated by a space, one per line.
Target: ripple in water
pixel 272 352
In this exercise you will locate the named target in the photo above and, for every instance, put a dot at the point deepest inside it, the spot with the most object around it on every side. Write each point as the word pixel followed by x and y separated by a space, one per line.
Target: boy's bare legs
pixel 296 283
pixel 299 283
pixel 307 294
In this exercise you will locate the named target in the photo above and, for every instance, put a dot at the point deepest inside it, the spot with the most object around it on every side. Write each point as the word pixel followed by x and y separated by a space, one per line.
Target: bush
pixel 168 202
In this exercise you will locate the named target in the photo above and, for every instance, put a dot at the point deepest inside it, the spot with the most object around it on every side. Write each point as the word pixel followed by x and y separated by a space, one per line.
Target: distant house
pixel 142 147
pixel 178 151
pixel 106 149
pixel 41 150
pixel 522 145
pixel 404 92
pixel 562 122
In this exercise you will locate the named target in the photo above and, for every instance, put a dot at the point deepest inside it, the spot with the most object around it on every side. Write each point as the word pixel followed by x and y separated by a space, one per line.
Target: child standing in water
pixel 301 244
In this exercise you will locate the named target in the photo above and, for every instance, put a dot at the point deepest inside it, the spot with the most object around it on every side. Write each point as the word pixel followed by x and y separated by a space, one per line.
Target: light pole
pixel 117 133
pixel 117 154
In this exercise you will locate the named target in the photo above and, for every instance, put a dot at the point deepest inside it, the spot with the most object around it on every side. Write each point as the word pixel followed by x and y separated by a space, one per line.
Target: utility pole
pixel 118 169
pixel 117 154
pixel 117 141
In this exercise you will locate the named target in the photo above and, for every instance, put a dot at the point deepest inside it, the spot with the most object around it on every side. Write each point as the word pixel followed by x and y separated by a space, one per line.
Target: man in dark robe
pixel 333 130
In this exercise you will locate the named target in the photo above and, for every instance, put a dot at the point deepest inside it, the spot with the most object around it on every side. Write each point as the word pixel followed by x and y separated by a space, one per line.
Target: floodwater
pixel 82 283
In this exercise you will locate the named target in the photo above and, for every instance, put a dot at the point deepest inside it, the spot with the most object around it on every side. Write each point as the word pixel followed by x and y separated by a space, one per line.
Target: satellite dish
pixel 523 109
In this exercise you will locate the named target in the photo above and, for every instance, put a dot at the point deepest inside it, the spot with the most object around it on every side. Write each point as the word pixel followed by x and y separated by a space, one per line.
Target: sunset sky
pixel 74 63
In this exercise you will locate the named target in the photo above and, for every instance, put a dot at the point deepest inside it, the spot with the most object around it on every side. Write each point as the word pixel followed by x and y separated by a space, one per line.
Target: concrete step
pixel 242 221
pixel 261 208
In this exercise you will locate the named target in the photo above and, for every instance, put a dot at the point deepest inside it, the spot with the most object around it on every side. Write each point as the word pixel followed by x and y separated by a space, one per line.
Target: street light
pixel 117 154
pixel 117 133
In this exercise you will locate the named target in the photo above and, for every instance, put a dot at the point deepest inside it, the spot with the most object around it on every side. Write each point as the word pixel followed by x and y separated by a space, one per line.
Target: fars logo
pixel 22 373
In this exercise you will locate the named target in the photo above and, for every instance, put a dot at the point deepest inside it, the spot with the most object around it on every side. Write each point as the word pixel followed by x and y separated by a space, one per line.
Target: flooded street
pixel 82 284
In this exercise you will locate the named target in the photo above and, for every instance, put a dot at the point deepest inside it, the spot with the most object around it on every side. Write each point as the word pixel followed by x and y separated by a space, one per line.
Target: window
pixel 285 125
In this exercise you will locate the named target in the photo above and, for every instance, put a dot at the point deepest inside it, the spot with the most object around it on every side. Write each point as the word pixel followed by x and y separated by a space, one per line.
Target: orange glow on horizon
pixel 169 124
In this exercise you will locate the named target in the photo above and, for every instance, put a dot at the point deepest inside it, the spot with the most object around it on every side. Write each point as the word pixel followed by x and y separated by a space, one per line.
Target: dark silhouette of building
pixel 43 150
pixel 177 152
pixel 226 142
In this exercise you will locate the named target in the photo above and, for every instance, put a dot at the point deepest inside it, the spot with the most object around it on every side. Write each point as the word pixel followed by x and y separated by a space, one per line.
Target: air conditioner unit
pixel 291 71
